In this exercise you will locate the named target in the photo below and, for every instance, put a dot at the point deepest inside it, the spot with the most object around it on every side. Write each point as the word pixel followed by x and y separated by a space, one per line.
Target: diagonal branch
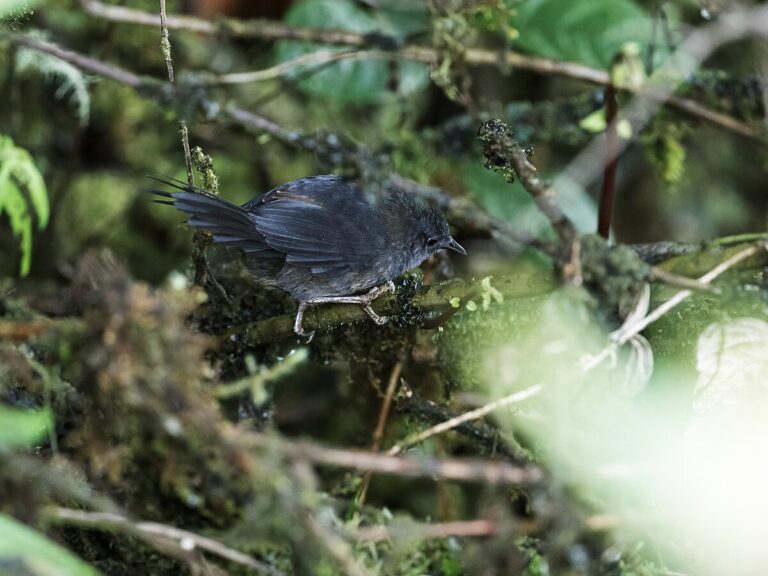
pixel 503 153
pixel 457 421
pixel 458 469
pixel 174 541
pixel 459 211
pixel 271 30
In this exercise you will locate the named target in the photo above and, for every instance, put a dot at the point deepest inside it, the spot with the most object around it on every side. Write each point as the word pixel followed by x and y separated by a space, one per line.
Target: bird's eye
pixel 431 242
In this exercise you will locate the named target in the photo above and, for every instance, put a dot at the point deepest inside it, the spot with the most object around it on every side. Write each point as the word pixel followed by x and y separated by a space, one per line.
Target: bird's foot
pixel 378 320
pixel 307 335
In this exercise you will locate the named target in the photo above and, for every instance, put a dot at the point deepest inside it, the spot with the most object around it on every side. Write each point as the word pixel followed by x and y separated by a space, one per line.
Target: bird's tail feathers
pixel 229 223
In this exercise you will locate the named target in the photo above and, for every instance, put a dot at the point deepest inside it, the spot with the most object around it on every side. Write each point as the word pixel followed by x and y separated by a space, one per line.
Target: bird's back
pixel 332 238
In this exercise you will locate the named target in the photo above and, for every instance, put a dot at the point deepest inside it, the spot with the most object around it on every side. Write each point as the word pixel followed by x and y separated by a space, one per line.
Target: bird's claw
pixel 308 336
pixel 301 333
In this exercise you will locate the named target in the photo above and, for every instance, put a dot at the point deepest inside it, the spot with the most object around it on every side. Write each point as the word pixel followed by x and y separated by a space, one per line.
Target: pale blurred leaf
pixel 25 551
pixel 23 428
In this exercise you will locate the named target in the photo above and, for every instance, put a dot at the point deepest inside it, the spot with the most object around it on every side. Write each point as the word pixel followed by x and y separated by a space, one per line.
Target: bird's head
pixel 434 234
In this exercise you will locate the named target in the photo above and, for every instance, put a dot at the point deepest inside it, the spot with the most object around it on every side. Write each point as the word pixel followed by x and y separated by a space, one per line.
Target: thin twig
pixel 458 469
pixel 424 531
pixel 672 279
pixel 184 131
pixel 378 433
pixel 165 47
pixel 317 58
pixel 475 414
pixel 183 540
pixel 626 332
pixel 486 438
pixel 165 43
pixel 270 30
pixel 635 326
pixel 199 239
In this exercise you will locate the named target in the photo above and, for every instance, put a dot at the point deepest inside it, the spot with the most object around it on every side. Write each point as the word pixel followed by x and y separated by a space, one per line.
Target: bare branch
pixel 183 542
pixel 270 30
pixel 461 470
pixel 83 62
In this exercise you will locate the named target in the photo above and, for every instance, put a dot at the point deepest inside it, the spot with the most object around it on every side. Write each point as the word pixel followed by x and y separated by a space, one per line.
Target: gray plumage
pixel 321 238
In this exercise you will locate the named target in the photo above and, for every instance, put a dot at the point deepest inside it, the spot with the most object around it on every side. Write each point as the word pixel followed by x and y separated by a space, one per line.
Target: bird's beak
pixel 451 244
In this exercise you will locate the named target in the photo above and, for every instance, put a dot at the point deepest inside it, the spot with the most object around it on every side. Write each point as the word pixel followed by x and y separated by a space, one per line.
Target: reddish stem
pixel 612 156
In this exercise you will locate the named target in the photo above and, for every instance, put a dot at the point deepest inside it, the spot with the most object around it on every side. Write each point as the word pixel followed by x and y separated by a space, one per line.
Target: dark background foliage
pixel 171 390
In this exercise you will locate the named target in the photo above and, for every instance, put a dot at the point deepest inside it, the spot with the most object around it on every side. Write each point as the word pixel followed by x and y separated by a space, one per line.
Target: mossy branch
pixel 453 295
pixel 504 154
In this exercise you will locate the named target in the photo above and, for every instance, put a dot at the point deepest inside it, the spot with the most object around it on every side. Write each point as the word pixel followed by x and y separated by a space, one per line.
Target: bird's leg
pixel 371 295
pixel 297 327
pixel 364 300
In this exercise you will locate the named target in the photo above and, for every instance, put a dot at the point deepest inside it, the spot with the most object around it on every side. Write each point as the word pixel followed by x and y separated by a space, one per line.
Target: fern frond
pixel 22 193
pixel 72 84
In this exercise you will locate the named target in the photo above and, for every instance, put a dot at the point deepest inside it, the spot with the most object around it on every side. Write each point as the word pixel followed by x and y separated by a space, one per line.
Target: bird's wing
pixel 321 223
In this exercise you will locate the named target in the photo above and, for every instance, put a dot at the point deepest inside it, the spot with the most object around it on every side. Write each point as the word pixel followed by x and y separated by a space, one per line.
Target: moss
pixel 146 426
pixel 118 555
pixel 614 274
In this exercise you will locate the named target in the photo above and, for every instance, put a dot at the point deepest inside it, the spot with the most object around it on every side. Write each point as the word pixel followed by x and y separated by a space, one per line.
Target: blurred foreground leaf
pixel 21 428
pixel 13 9
pixel 25 551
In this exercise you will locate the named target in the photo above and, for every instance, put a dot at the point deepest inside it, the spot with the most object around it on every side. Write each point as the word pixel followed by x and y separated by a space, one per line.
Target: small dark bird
pixel 321 238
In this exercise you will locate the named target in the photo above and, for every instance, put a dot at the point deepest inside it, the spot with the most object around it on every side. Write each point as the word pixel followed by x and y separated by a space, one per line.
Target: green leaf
pixel 32 553
pixel 22 193
pixel 355 80
pixel 590 32
pixel 23 428
pixel 595 122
